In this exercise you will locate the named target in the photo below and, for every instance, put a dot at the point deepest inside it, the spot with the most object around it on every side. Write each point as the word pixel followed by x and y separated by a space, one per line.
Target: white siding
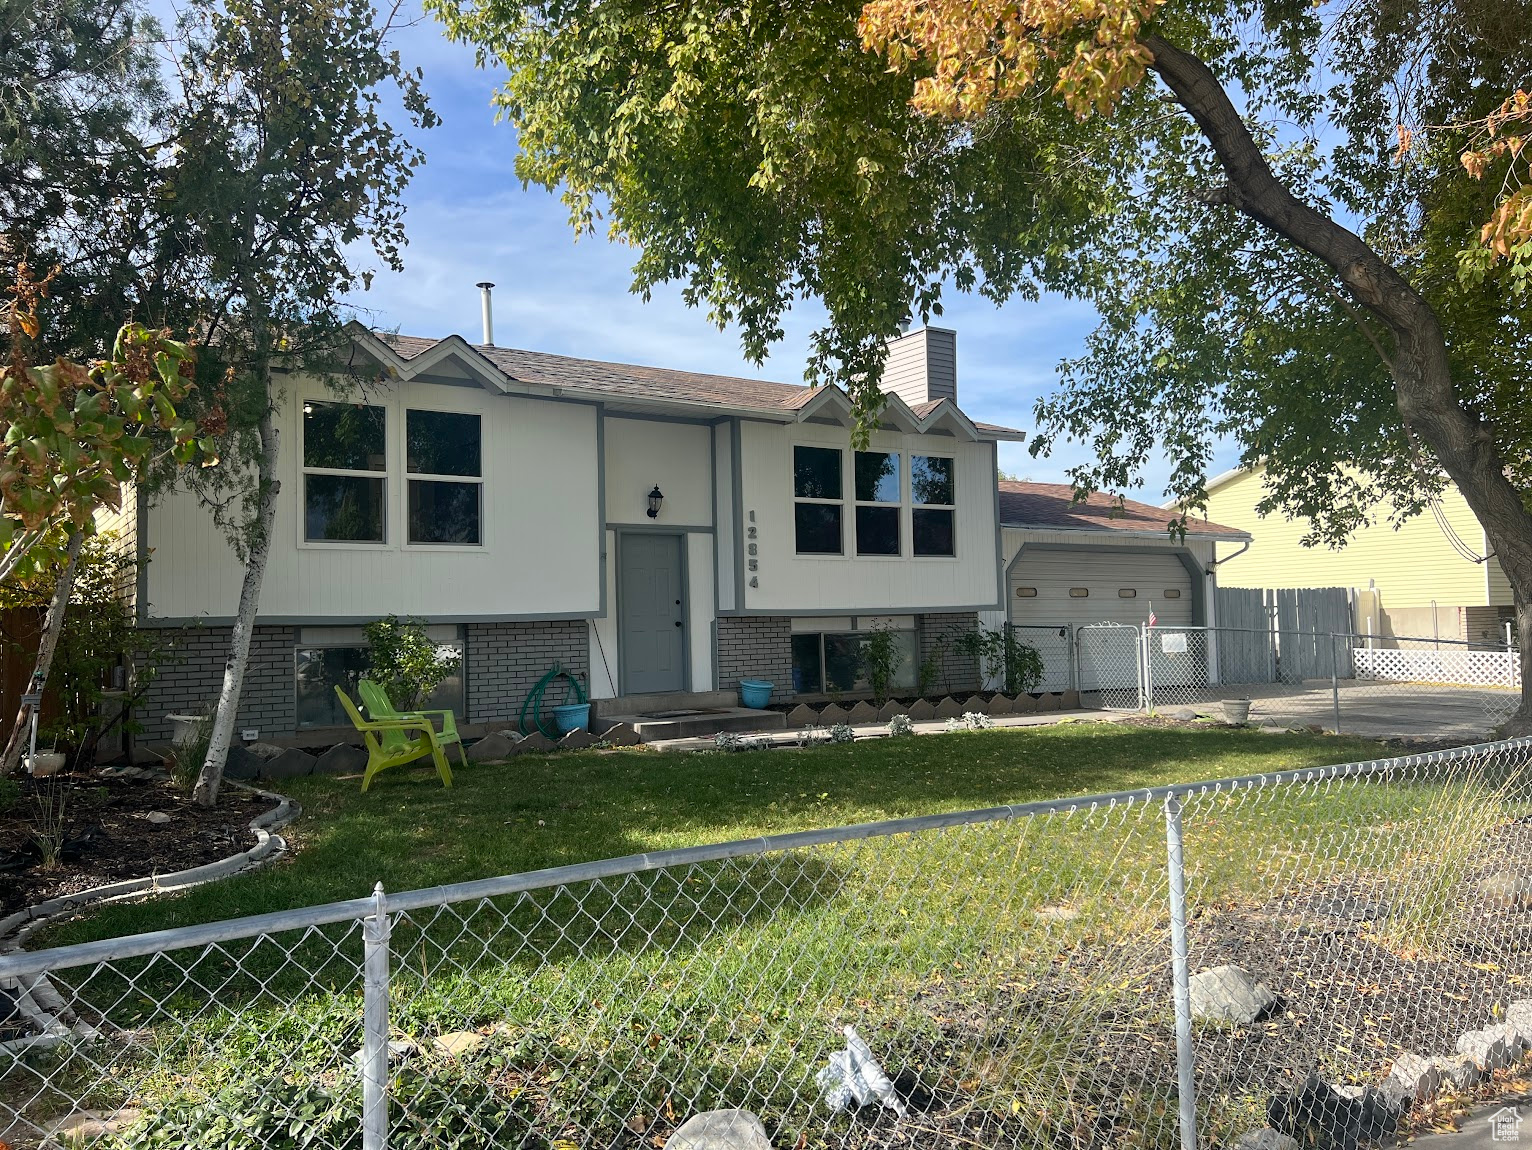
pixel 642 454
pixel 541 531
pixel 792 583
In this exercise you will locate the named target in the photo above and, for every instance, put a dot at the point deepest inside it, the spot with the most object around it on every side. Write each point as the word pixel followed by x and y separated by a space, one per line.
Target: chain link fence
pixel 1333 681
pixel 1155 968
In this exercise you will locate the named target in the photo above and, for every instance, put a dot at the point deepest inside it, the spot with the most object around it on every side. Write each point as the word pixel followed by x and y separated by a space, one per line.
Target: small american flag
pixel 1153 618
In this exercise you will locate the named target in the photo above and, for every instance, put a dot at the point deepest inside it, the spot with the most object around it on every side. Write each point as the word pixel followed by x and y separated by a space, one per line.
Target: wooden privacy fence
pixel 1266 636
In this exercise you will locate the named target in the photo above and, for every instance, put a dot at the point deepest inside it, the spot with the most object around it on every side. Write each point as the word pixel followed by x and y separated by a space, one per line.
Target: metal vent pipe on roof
pixel 488 310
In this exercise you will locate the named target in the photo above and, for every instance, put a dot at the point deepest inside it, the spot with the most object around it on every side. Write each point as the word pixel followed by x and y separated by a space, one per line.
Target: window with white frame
pixel 879 502
pixel 818 500
pixel 444 461
pixel 330 657
pixel 344 461
pixel 933 494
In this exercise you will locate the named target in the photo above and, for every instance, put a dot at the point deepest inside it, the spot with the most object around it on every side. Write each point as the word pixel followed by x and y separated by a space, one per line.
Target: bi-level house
pixel 654 532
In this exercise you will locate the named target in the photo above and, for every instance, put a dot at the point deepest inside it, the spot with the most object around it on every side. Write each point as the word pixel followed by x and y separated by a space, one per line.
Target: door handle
pixel 678 622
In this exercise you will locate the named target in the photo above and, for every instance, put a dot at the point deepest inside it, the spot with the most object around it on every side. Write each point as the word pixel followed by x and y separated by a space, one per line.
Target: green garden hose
pixel 534 702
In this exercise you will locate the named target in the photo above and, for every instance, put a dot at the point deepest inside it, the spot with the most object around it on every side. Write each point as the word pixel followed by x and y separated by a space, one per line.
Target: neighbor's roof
pixel 1025 504
pixel 644 386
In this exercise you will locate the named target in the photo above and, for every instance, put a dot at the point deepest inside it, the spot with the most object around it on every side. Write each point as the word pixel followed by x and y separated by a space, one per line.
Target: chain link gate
pixel 1109 666
pixel 1056 646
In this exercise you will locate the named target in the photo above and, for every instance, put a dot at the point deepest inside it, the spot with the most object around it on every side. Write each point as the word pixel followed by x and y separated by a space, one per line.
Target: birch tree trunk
pixel 53 627
pixel 211 776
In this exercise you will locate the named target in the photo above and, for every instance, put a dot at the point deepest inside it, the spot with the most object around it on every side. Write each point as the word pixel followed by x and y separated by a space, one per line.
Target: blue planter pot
pixel 755 693
pixel 571 717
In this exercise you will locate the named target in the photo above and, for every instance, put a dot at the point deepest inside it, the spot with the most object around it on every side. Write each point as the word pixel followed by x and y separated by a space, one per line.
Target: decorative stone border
pixel 923 710
pixel 39 1002
pixel 16 928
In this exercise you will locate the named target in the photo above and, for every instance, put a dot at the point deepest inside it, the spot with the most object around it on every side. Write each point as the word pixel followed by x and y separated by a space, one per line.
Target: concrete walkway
pixel 1371 710
pixel 780 738
pixel 1480 1131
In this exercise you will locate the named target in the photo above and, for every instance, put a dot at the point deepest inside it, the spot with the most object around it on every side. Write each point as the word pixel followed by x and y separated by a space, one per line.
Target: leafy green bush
pixel 880 658
pixel 406 662
pixel 1001 655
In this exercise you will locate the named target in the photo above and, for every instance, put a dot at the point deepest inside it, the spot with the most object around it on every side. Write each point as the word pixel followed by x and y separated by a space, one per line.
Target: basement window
pixel 330 657
pixel 830 662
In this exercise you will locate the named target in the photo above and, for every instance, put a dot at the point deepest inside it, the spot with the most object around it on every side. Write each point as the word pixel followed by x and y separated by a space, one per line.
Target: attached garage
pixel 1070 565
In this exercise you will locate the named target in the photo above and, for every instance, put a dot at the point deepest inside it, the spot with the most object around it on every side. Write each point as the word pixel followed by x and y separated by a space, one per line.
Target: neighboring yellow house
pixel 1422 578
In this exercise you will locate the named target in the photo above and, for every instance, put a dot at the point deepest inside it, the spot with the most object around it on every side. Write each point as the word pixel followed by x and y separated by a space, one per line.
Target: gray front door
pixel 651 617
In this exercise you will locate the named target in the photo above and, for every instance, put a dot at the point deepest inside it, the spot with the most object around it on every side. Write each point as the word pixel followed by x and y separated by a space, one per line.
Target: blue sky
pixel 469 220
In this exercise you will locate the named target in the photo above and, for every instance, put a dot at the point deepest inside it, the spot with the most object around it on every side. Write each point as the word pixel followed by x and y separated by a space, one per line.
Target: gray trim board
pixel 601 508
pixel 352 620
pixel 736 470
pixel 1194 569
pixel 646 417
pixel 712 482
pixel 1000 581
pixel 816 612
pixel 663 528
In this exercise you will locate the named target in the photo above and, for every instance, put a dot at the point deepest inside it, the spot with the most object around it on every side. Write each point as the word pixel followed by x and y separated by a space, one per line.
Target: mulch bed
pixel 108 838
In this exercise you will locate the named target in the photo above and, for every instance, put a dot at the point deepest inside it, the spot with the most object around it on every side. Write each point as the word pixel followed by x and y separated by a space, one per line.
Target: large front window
pixel 443 449
pixel 933 491
pixel 879 498
pixel 344 456
pixel 832 661
pixel 818 500
pixel 330 657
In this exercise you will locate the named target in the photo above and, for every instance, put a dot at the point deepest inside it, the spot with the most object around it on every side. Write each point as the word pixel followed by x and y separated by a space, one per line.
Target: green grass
pixel 541 811
pixel 726 983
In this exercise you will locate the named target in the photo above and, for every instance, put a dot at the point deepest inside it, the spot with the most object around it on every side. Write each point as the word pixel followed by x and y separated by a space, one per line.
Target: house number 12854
pixel 752 552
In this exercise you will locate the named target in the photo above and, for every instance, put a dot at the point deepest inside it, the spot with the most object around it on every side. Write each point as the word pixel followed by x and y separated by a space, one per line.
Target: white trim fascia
pixel 1129 533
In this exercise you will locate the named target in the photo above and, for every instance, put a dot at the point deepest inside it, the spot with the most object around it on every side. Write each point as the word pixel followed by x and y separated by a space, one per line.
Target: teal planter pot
pixel 571 717
pixel 755 693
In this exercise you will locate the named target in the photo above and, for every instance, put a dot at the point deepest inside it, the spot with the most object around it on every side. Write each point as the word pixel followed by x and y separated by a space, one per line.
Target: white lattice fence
pixel 1454 667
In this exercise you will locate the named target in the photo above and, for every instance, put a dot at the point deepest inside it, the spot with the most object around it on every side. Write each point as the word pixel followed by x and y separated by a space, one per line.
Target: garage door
pixel 1077 587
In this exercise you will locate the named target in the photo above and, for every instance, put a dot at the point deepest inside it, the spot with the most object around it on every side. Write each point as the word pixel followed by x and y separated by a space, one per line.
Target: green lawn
pixel 1008 966
pixel 541 811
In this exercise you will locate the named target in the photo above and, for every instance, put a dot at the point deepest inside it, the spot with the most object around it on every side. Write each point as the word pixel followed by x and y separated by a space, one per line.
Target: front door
pixel 651 615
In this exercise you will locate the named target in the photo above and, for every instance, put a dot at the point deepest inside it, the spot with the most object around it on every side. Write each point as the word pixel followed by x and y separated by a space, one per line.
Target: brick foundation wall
pixel 505 661
pixel 189 680
pixel 756 647
pixel 955 672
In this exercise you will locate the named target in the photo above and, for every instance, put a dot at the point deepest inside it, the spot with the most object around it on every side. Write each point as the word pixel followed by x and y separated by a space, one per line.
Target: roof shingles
pixel 1024 504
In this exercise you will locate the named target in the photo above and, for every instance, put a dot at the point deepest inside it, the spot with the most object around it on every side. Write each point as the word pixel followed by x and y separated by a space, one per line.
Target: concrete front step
pixel 702 724
pixel 623 707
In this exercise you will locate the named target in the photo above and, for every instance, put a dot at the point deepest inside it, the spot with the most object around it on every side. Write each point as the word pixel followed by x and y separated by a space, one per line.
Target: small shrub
pixel 880 658
pixel 842 733
pixel 727 741
pixel 185 762
pixel 10 794
pixel 971 721
pixel 406 662
pixel 812 736
pixel 901 725
pixel 1000 655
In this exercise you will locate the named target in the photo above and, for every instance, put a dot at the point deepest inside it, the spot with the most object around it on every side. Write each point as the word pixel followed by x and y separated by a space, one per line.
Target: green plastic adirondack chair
pixel 394 742
pixel 376 700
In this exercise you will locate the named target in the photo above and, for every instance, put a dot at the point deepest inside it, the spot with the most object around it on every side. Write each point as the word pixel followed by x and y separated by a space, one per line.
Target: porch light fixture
pixel 656 497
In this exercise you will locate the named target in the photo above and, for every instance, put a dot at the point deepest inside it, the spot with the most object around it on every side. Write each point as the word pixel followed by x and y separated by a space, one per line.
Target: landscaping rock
pixel 457 1044
pixel 1070 700
pixel 1460 1070
pixel 862 714
pixel 832 714
pixel 1416 1076
pixel 264 750
pixel 920 711
pixel 976 703
pixel 1519 1016
pixel 949 708
pixel 577 741
pixel 290 764
pixel 802 716
pixel 1265 1139
pixel 1180 714
pixel 1230 994
pixel 999 705
pixel 1508 890
pixel 341 759
pixel 158 818
pixel 1050 702
pixel 398 1051
pixel 86 1127
pixel 241 764
pixel 621 735
pixel 535 743
pixel 889 709
pixel 720 1130
pixel 495 748
pixel 1487 1048
pixel 1056 913
pixel 1023 704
